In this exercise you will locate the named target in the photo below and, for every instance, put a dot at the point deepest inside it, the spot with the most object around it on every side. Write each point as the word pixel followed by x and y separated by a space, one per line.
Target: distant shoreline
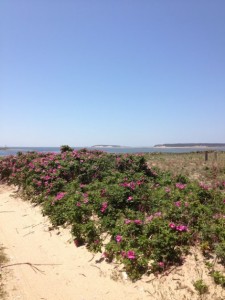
pixel 191 145
pixel 184 147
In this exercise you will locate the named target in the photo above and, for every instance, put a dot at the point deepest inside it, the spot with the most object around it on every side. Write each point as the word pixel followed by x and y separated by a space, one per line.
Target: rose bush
pixel 150 216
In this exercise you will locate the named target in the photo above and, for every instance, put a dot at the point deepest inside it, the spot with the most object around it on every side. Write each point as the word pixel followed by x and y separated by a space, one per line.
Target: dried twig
pixel 91 258
pixel 96 267
pixel 32 225
pixel 28 233
pixel 168 272
pixel 33 266
pixel 7 211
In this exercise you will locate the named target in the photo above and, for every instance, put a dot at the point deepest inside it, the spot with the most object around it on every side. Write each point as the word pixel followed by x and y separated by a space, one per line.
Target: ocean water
pixel 15 150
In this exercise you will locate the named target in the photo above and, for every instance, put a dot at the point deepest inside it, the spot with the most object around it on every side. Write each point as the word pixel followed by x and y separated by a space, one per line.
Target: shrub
pixel 150 216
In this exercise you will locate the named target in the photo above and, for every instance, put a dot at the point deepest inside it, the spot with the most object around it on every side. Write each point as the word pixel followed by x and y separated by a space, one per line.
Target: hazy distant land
pixel 190 145
pixel 4 148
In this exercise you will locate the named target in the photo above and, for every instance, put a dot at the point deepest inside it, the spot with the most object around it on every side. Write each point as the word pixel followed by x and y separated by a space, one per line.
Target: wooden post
pixel 206 155
pixel 215 156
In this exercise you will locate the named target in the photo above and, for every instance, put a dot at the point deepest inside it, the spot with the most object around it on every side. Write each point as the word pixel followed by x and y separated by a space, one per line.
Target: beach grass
pixel 193 165
pixel 3 259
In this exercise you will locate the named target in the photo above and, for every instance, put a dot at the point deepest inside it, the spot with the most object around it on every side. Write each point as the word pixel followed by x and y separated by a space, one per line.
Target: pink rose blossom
pixel 177 204
pixel 104 207
pixel 180 186
pixel 149 218
pixel 60 195
pixel 118 238
pixel 85 200
pixel 167 190
pixel 161 264
pixel 138 222
pixel 131 254
pixel 123 253
pixel 127 221
pixel 158 214
pixel 172 225
pixel 181 228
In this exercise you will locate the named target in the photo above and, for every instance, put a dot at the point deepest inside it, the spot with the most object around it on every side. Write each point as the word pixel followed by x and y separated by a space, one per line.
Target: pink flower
pixel 158 214
pixel 167 190
pixel 105 254
pixel 180 186
pixel 31 165
pixel 219 216
pixel 60 195
pixel 204 186
pixel 132 185
pixel 161 264
pixel 104 207
pixel 149 218
pixel 131 254
pixel 172 225
pixel 118 238
pixel 127 221
pixel 138 222
pixel 85 200
pixel 123 253
pixel 181 228
pixel 177 204
pixel 130 198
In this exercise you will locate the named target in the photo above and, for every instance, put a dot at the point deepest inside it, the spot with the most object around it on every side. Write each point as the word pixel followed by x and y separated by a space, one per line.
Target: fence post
pixel 206 155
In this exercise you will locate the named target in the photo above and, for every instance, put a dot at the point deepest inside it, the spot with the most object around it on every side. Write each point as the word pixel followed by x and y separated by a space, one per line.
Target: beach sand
pixel 47 265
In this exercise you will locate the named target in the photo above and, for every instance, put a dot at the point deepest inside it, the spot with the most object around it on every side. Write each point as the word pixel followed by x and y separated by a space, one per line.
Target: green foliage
pixel 219 278
pixel 65 148
pixel 220 247
pixel 200 287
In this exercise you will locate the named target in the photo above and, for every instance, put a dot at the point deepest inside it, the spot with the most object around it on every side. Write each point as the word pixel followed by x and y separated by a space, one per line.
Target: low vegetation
pixel 144 211
pixel 3 259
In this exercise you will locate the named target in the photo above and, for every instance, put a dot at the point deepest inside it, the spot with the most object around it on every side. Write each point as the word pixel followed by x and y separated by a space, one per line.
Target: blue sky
pixel 132 72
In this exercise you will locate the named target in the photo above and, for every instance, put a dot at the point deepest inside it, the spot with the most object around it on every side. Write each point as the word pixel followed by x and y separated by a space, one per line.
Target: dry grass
pixel 192 165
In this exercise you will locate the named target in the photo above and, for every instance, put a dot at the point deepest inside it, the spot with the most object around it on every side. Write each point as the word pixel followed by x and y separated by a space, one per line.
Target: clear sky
pixel 127 72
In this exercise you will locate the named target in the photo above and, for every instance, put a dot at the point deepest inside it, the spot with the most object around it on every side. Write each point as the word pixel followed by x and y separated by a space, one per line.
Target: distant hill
pixel 190 145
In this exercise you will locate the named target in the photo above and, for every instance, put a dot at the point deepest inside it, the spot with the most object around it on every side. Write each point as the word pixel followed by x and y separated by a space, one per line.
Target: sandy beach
pixel 45 264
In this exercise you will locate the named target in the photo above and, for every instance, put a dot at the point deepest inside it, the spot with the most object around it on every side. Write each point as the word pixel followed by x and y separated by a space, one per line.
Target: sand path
pixel 67 272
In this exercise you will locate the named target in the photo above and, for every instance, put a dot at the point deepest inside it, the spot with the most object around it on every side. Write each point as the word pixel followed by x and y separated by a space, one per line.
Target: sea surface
pixel 15 150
